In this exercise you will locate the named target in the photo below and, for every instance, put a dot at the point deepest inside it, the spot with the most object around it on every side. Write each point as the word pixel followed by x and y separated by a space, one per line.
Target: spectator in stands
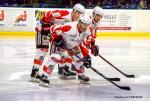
pixel 67 3
pixel 99 3
pixel 5 2
pixel 78 1
pixel 104 3
pixel 114 3
pixel 2 2
pixel 13 3
pixel 35 3
pixel 20 2
pixel 143 4
pixel 148 3
pixel 71 3
pixel 89 4
pixel 131 4
pixel 108 4
pixel 121 4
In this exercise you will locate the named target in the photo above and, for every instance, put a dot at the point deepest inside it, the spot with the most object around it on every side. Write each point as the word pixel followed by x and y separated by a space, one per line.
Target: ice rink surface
pixel 132 56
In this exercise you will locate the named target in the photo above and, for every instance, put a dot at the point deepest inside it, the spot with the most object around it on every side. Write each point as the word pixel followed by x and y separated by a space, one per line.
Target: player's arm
pixel 60 14
pixel 94 48
pixel 57 32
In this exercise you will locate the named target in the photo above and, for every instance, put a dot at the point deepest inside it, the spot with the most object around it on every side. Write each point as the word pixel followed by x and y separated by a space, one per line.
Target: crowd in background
pixel 106 4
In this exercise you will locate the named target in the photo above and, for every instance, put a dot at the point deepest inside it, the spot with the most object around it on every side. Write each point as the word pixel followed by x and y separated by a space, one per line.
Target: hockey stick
pixel 112 79
pixel 126 75
pixel 121 87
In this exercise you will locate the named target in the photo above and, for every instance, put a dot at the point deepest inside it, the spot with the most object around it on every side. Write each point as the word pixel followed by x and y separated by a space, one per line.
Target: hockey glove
pixel 59 42
pixel 94 49
pixel 87 61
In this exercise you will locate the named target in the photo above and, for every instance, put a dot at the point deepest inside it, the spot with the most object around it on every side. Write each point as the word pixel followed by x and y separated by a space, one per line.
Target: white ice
pixel 132 56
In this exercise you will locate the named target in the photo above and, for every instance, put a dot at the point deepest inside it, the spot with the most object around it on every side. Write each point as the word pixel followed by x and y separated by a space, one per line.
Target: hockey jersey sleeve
pixel 57 30
pixel 85 45
pixel 54 14
pixel 93 35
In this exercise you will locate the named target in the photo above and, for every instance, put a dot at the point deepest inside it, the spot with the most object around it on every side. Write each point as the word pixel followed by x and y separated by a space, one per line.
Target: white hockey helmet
pixel 85 19
pixel 79 7
pixel 98 10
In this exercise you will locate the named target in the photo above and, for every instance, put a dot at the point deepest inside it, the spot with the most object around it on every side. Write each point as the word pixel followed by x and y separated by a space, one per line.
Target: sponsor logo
pixel 39 14
pixel 1 15
pixel 110 16
pixel 22 17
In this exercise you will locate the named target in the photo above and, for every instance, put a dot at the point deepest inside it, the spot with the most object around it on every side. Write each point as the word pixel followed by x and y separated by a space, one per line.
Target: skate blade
pixel 63 77
pixel 84 82
pixel 67 77
pixel 35 80
pixel 72 77
pixel 42 84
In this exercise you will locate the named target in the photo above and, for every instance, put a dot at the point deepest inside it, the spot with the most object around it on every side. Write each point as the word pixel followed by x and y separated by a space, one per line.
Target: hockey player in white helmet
pixel 64 67
pixel 97 14
pixel 78 9
pixel 42 30
pixel 68 37
pixel 89 43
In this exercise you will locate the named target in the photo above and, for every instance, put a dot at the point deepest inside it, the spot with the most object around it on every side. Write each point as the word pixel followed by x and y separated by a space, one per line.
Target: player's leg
pixel 48 66
pixel 63 74
pixel 42 45
pixel 68 66
pixel 64 67
pixel 79 67
pixel 39 57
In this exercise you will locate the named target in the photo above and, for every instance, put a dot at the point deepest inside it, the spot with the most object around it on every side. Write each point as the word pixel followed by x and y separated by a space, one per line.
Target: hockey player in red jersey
pixel 89 43
pixel 68 37
pixel 42 30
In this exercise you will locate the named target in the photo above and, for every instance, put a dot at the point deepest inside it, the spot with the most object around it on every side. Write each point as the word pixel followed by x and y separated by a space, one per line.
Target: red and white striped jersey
pixel 59 16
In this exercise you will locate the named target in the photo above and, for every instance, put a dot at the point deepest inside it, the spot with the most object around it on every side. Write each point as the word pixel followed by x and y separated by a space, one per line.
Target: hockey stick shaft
pixel 126 75
pixel 121 87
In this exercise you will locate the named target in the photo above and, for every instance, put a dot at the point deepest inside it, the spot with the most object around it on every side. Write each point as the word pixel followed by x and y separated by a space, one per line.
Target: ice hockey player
pixel 42 30
pixel 64 66
pixel 68 37
pixel 89 43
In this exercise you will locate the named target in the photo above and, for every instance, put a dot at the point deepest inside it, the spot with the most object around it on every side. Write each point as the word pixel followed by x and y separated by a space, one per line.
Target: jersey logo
pixel 2 15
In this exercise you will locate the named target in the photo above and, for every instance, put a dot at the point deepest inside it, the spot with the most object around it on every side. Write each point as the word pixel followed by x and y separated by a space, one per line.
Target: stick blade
pixel 114 79
pixel 130 76
pixel 125 88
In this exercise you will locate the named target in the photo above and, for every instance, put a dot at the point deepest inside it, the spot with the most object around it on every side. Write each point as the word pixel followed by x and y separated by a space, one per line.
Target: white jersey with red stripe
pixel 93 29
pixel 92 36
pixel 89 39
pixel 70 33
